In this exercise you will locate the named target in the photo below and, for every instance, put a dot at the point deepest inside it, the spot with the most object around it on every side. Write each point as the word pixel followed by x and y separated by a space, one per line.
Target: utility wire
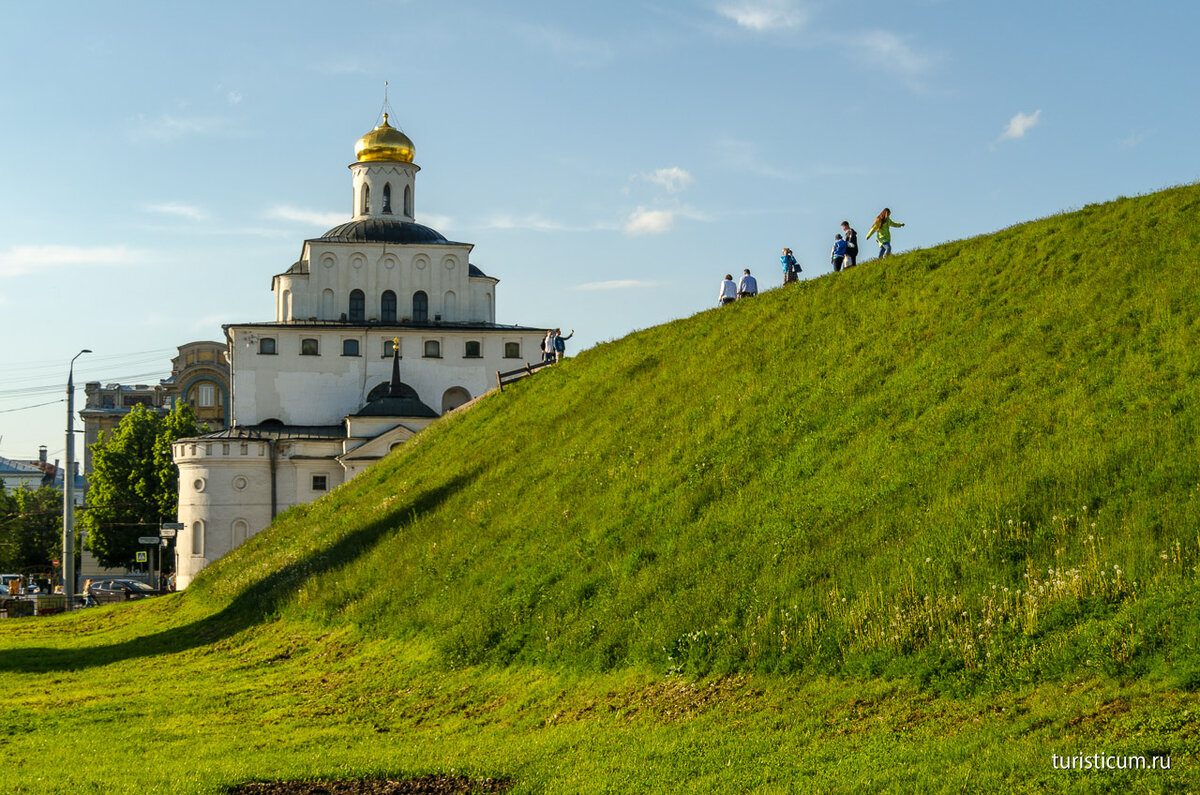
pixel 34 406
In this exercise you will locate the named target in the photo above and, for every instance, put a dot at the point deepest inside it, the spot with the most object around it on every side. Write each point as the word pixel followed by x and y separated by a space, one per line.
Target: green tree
pixel 134 484
pixel 30 528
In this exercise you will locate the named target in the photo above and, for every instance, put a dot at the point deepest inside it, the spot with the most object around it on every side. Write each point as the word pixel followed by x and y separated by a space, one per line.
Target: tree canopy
pixel 134 484
pixel 30 528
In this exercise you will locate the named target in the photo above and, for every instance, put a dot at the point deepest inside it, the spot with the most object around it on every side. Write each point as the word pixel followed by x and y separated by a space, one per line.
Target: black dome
pixel 377 230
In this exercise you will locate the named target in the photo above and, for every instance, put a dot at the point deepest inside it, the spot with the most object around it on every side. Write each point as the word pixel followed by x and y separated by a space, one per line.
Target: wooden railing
pixel 516 375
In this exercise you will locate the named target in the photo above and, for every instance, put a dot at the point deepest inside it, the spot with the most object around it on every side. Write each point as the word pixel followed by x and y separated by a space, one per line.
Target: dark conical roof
pixel 401 399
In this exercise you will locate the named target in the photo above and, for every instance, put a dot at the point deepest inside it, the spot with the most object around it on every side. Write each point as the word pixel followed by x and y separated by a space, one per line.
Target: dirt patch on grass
pixel 423 785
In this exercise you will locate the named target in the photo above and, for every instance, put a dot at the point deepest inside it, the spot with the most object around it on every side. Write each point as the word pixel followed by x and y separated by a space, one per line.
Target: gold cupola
pixel 384 143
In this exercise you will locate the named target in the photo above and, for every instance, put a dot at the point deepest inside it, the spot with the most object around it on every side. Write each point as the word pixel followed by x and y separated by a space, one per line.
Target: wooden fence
pixel 516 375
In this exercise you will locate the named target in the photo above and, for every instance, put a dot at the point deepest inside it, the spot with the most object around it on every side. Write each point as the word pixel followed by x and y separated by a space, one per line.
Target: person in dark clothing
pixel 791 268
pixel 851 238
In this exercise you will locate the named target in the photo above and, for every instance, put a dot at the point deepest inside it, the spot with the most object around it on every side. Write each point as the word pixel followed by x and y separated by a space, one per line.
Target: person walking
pixel 748 286
pixel 728 292
pixel 838 255
pixel 882 230
pixel 851 238
pixel 791 268
pixel 560 344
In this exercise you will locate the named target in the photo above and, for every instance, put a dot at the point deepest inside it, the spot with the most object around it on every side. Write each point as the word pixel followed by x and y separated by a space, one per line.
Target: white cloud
pixel 537 223
pixel 674 179
pixel 765 15
pixel 577 50
pixel 438 222
pixel 615 284
pixel 168 127
pixel 285 212
pixel 20 260
pixel 234 97
pixel 649 222
pixel 178 210
pixel 1133 139
pixel 1020 124
pixel 887 50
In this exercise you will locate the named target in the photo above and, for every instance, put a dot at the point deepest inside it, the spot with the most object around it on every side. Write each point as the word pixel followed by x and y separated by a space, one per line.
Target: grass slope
pixel 909 515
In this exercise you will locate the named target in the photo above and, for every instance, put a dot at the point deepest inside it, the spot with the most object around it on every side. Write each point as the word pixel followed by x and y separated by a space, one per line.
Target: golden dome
pixel 385 142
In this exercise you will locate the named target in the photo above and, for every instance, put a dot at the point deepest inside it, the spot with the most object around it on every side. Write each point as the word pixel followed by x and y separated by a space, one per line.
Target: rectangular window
pixel 349 347
pixel 512 350
pixel 433 349
pixel 310 347
pixel 207 396
pixel 473 350
pixel 319 483
pixel 266 346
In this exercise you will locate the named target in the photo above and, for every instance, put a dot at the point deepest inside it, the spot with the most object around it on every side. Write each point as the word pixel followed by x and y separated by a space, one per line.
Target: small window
pixel 349 347
pixel 387 198
pixel 365 205
pixel 206 395
pixel 512 350
pixel 358 306
pixel 387 307
pixel 310 347
pixel 388 347
pixel 198 538
pixel 472 350
pixel 420 307
pixel 320 483
pixel 266 346
pixel 433 349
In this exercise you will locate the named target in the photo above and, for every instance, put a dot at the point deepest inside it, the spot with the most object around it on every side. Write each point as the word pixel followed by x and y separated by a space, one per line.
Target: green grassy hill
pixel 960 478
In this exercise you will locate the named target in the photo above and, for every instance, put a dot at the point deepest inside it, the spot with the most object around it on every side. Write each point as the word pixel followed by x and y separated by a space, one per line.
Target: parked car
pixel 120 590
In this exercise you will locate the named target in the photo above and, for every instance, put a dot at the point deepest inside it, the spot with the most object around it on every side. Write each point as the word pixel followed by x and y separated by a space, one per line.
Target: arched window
pixel 420 307
pixel 473 350
pixel 240 531
pixel 387 198
pixel 433 349
pixel 512 350
pixel 454 397
pixel 198 538
pixel 408 201
pixel 387 307
pixel 327 305
pixel 266 346
pixel 310 347
pixel 365 201
pixel 450 307
pixel 349 347
pixel 358 306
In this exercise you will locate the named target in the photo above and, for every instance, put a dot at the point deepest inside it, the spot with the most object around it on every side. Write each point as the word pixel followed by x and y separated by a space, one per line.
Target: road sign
pixel 142 557
pixel 171 526
pixel 167 532
pixel 148 540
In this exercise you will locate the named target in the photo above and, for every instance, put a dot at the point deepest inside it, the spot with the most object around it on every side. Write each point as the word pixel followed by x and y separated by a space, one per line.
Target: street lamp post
pixel 68 556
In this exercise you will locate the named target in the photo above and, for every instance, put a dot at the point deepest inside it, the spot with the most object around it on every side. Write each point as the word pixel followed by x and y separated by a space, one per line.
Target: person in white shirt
pixel 748 286
pixel 728 292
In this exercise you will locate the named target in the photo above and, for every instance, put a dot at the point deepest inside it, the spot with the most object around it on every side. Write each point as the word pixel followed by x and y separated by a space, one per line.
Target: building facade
pixel 379 327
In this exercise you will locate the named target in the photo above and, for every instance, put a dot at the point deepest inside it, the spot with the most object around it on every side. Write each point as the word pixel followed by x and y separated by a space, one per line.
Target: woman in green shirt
pixel 882 229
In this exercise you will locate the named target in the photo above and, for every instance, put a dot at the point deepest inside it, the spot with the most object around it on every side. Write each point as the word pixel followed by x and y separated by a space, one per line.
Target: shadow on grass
pixel 256 605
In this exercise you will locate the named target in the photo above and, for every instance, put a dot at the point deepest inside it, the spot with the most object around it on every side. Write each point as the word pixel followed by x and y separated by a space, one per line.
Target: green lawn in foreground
pixel 296 701
pixel 917 525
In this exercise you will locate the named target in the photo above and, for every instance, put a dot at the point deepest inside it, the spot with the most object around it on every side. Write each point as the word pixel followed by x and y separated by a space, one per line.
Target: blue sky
pixel 610 161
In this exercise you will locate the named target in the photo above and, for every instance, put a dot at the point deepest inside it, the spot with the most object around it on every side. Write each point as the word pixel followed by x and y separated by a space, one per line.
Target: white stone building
pixel 381 326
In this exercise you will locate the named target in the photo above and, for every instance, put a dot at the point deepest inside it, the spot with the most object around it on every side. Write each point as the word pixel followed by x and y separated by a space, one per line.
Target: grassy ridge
pixel 975 464
pixel 933 520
